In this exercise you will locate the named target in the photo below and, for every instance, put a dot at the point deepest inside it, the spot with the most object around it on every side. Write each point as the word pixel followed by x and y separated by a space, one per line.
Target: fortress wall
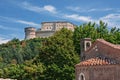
pixel 47 29
pixel 44 34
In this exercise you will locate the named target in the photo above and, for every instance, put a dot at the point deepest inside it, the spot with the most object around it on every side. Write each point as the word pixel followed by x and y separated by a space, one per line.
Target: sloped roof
pixel 97 61
pixel 100 60
pixel 108 43
pixel 105 43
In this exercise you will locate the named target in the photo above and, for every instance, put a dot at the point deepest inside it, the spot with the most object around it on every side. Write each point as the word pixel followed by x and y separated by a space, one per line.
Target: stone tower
pixel 30 32
pixel 85 45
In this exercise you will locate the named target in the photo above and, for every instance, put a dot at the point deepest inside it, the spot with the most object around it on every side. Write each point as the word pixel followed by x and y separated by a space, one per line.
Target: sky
pixel 15 15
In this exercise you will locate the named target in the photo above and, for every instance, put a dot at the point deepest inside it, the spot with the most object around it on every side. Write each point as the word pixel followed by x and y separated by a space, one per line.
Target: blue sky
pixel 15 15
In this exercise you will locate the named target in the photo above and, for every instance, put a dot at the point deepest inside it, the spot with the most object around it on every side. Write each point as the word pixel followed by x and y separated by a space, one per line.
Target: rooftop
pixel 97 61
pixel 58 22
pixel 109 44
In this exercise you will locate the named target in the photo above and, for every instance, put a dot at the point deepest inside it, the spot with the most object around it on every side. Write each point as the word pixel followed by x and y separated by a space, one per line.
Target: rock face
pixel 100 61
pixel 47 29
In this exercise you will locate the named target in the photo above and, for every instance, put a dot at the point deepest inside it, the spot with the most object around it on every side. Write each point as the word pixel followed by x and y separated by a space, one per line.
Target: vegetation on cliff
pixel 50 58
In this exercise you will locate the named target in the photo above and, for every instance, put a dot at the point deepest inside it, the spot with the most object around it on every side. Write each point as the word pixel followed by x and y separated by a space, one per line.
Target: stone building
pixel 30 33
pixel 47 29
pixel 99 61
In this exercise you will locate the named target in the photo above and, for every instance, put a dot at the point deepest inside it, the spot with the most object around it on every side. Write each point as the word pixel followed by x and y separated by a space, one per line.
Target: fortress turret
pixel 30 32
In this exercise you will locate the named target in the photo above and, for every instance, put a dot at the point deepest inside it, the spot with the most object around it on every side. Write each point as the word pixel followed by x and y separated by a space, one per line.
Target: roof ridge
pixel 108 43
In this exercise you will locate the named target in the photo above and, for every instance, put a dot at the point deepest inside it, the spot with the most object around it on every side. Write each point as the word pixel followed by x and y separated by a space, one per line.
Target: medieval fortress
pixel 47 29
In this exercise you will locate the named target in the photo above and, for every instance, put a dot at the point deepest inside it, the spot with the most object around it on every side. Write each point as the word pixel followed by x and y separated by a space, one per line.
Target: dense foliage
pixel 50 58
pixel 95 31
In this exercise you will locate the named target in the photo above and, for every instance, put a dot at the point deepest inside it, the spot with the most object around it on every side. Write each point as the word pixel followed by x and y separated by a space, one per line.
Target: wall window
pixel 81 76
pixel 87 44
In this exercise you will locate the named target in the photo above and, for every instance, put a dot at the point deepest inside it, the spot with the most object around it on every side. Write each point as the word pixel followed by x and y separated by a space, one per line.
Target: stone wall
pixel 104 72
pixel 44 34
pixel 103 50
pixel 47 29
pixel 30 32
pixel 55 26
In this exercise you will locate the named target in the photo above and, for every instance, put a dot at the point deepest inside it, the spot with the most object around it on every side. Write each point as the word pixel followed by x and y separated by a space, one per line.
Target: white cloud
pixel 7 28
pixel 79 9
pixel 112 16
pixel 113 20
pixel 50 8
pixel 77 17
pixel 28 23
pixel 30 7
pixel 108 9
pixel 91 10
pixel 73 8
pixel 3 40
pixel 95 9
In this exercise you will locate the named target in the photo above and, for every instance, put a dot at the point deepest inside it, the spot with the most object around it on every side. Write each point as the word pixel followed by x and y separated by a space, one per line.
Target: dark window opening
pixel 87 44
pixel 82 78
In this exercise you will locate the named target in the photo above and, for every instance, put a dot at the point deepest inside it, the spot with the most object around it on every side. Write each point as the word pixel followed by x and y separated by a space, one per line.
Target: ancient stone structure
pixel 47 29
pixel 100 61
pixel 30 32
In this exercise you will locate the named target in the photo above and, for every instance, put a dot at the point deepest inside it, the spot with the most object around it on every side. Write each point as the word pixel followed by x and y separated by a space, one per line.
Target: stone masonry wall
pixel 106 72
pixel 103 50
pixel 44 34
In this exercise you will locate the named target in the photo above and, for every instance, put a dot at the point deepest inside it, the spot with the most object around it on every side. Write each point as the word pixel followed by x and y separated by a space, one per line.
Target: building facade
pixel 99 61
pixel 47 29
pixel 30 32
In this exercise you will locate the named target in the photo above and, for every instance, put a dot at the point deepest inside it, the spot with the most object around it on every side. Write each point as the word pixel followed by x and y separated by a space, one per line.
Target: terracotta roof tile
pixel 96 61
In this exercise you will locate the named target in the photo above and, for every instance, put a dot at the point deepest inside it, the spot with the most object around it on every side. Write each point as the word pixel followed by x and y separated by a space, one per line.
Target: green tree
pixel 59 56
pixel 102 30
pixel 87 30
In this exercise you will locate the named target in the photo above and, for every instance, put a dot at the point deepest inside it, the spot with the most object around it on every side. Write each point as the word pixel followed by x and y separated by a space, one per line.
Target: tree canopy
pixel 51 58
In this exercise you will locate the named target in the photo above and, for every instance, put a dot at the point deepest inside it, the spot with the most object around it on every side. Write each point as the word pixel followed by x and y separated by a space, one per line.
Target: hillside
pixel 50 58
